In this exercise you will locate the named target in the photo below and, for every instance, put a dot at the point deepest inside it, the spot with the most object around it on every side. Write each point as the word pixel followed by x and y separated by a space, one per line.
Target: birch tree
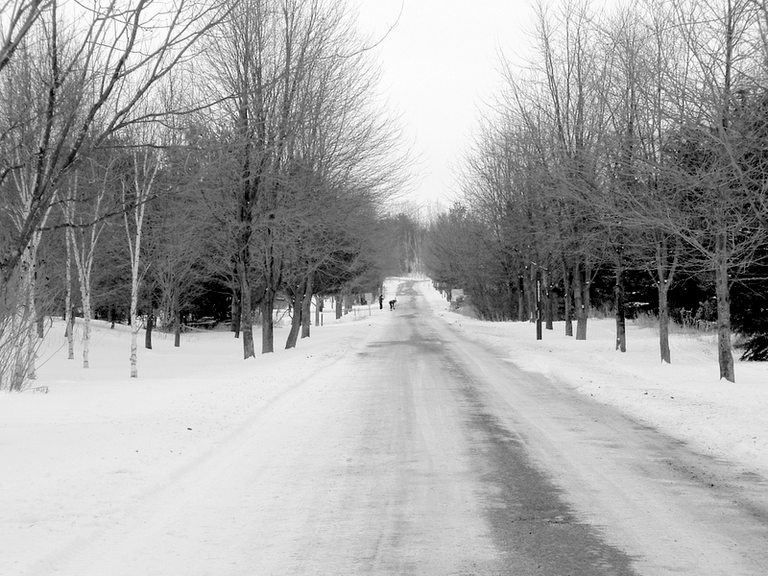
pixel 85 209
pixel 71 76
pixel 137 188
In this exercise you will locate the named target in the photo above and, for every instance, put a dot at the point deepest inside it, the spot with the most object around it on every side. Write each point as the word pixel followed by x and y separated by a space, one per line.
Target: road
pixel 419 453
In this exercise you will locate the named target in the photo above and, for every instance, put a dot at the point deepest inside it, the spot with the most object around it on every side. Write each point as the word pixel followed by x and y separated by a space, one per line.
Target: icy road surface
pixel 415 452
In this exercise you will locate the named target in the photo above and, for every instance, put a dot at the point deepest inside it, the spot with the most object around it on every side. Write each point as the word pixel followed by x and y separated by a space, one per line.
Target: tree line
pixel 160 159
pixel 623 167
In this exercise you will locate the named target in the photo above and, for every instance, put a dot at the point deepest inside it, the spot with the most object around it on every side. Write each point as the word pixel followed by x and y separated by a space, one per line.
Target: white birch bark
pixel 24 361
pixel 145 169
pixel 84 251
pixel 21 341
pixel 83 264
pixel 68 312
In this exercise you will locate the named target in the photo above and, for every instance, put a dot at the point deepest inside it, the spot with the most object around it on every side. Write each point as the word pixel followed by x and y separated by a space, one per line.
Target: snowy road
pixel 431 455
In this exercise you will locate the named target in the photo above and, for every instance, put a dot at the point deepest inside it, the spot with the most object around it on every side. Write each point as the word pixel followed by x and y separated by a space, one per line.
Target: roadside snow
pixel 685 399
pixel 80 447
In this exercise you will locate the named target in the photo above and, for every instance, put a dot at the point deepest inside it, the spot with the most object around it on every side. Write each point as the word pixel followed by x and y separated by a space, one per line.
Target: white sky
pixel 439 67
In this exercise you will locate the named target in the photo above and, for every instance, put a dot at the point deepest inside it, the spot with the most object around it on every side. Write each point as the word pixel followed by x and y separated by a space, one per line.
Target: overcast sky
pixel 439 65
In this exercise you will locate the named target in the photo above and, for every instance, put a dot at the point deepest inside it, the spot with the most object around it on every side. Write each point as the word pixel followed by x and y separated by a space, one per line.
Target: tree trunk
pixel 521 299
pixel 86 333
pixel 548 300
pixel 148 333
pixel 567 299
pixel 339 310
pixel 537 289
pixel 293 333
pixel 70 331
pixel 533 294
pixel 40 306
pixel 85 301
pixel 666 355
pixel 306 320
pixel 246 325
pixel 84 256
pixel 272 275
pixel 68 307
pixel 267 323
pixel 144 172
pixel 235 312
pixel 26 354
pixel 318 309
pixel 134 333
pixel 176 319
pixel 724 351
pixel 579 303
pixel 177 328
pixel 40 323
pixel 135 281
pixel 586 301
pixel 621 318
pixel 31 333
pixel 21 335
pixel 665 272
pixel 297 300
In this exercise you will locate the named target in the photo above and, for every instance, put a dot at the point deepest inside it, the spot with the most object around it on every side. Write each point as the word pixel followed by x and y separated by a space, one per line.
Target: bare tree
pixel 285 75
pixel 574 78
pixel 19 17
pixel 137 188
pixel 85 202
pixel 549 146
pixel 92 66
pixel 175 257
pixel 718 177
pixel 647 75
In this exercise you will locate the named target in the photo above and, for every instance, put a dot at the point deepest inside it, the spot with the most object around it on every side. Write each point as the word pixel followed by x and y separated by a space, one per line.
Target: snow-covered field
pixel 80 447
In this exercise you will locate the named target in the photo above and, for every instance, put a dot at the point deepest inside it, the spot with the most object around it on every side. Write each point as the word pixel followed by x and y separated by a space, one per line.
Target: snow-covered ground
pixel 80 447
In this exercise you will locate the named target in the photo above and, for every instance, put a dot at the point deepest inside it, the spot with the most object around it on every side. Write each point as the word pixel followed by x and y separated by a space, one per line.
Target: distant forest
pixel 166 162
